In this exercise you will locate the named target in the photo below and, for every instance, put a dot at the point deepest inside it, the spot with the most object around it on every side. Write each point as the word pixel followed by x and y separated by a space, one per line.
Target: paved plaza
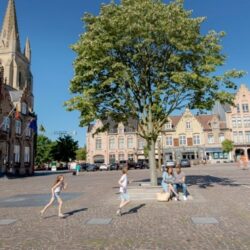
pixel 218 217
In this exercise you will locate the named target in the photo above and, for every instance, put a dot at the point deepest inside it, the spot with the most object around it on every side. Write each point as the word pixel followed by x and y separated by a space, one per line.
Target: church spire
pixel 27 50
pixel 9 34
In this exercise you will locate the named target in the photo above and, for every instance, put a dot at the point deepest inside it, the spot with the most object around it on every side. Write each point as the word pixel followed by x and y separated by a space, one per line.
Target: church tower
pixel 17 74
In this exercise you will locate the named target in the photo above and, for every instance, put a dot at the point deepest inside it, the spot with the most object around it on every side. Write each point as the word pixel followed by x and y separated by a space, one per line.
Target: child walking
pixel 123 183
pixel 56 189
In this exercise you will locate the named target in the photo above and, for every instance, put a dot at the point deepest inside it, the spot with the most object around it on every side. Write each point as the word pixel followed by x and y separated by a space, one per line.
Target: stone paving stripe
pixel 5 222
pixel 204 220
pixel 33 200
pixel 99 221
pixel 246 186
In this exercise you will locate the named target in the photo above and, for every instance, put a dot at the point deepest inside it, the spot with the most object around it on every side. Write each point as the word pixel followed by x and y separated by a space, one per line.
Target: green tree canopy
pixel 64 149
pixel 144 59
pixel 43 150
pixel 81 154
pixel 227 146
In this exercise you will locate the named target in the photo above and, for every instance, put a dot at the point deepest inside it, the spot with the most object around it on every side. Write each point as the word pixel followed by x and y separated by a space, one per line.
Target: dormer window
pixel 168 125
pixel 121 130
pixel 188 125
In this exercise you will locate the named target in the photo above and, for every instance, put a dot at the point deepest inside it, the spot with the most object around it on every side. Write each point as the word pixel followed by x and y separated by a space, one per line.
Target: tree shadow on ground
pixel 134 209
pixel 203 181
pixel 70 213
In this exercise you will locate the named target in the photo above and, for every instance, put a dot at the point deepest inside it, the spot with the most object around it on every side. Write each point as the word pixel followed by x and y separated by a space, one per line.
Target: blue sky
pixel 53 25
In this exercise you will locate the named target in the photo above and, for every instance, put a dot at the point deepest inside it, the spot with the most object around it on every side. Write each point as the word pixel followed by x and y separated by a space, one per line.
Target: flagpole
pixel 7 116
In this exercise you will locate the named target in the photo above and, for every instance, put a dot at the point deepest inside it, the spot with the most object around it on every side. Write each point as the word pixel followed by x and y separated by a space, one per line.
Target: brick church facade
pixel 17 136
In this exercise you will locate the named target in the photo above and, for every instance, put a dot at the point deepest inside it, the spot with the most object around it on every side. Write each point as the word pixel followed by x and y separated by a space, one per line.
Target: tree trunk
pixel 152 163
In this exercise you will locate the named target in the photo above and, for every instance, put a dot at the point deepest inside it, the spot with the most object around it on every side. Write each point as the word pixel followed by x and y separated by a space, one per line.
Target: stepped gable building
pixel 186 136
pixel 16 102
pixel 238 119
pixel 194 137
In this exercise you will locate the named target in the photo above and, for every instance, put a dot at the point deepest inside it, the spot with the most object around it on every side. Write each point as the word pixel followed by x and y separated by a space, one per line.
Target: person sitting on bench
pixel 179 182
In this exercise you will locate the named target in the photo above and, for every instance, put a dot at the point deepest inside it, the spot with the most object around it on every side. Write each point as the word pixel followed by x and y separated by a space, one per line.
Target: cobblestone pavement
pixel 219 191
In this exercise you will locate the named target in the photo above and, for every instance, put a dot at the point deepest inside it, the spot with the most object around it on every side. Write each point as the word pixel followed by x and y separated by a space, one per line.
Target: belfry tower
pixel 16 63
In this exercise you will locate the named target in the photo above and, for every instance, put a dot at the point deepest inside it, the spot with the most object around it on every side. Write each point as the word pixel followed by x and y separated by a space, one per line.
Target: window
pixel 6 124
pixel 121 143
pixel 28 131
pixel 130 157
pixel 18 127
pixel 98 144
pixel 238 108
pixel 240 134
pixel 210 138
pixel 121 157
pixel 111 143
pixel 235 137
pixel 27 154
pixel 247 136
pixel 245 108
pixel 221 137
pixel 168 125
pixel 188 125
pixel 239 123
pixel 247 122
pixel 130 142
pixel 234 123
pixel 169 140
pixel 196 139
pixel 17 153
pixel 182 140
pixel 141 144
pixel 24 108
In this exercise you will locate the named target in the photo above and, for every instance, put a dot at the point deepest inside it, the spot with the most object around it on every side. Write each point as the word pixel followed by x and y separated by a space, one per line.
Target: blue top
pixel 166 178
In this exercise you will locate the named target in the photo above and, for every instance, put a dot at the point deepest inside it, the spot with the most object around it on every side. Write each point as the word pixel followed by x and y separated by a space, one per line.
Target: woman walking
pixel 56 189
pixel 123 183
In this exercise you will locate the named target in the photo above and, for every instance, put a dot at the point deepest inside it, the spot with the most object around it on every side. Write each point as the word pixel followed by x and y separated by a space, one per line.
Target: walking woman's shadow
pixel 134 210
pixel 74 212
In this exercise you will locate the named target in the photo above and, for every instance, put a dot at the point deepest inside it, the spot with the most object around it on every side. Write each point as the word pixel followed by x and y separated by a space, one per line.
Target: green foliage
pixel 145 151
pixel 81 154
pixel 64 149
pixel 144 59
pixel 227 146
pixel 43 150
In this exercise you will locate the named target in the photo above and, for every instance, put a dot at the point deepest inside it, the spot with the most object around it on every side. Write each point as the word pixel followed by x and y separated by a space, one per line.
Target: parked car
pixel 114 166
pixel 84 166
pixel 130 164
pixel 185 163
pixel 91 167
pixel 170 163
pixel 103 167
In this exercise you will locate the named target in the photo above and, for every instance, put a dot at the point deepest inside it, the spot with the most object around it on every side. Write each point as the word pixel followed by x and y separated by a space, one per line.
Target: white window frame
pixel 27 154
pixel 112 142
pixel 210 138
pixel 6 124
pixel 121 143
pixel 98 143
pixel 196 139
pixel 18 127
pixel 221 137
pixel 16 153
pixel 182 139
pixel 130 142
pixel 24 108
pixel 245 108
pixel 169 140
pixel 188 125
pixel 168 125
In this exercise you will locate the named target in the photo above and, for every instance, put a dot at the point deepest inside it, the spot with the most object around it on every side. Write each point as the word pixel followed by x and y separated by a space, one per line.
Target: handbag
pixel 163 196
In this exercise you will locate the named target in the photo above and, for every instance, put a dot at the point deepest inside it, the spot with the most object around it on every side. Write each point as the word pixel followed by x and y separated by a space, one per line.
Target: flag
pixel 33 125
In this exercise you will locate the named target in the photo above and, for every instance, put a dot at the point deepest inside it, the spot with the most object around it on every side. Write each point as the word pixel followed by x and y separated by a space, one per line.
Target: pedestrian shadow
pixel 134 209
pixel 74 212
